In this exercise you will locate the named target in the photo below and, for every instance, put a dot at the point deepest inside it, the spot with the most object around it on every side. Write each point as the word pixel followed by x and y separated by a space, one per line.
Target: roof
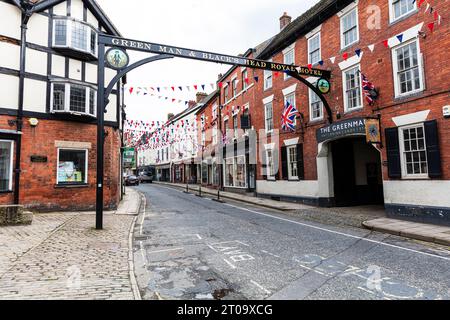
pixel 306 22
pixel 92 5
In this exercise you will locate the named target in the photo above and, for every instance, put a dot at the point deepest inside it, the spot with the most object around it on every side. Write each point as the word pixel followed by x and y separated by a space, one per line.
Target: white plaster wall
pixel 38 30
pixel 418 192
pixel 58 65
pixel 35 95
pixel 36 62
pixel 10 56
pixel 91 73
pixel 112 108
pixel 60 9
pixel 288 188
pixel 9 91
pixel 10 20
pixel 91 19
pixel 75 69
pixel 76 9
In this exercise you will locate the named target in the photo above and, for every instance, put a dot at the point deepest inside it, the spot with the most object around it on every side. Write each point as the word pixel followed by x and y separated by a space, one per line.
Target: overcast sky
pixel 228 27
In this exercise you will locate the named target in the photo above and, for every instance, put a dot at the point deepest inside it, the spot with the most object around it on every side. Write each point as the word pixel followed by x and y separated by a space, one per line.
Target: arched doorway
pixel 357 175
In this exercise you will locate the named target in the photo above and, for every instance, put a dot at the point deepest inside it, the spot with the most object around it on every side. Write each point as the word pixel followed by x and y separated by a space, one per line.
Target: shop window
pixel 6 165
pixel 73 98
pixel 75 35
pixel 349 28
pixel 407 66
pixel 352 89
pixel 72 167
pixel 235 172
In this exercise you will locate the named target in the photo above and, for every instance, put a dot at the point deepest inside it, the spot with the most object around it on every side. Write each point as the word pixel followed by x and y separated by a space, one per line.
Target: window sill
pixel 349 46
pixel 71 186
pixel 6 191
pixel 354 110
pixel 407 96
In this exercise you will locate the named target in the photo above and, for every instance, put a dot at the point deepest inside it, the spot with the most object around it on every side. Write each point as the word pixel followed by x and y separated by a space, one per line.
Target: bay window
pixel 6 165
pixel 72 167
pixel 75 35
pixel 73 98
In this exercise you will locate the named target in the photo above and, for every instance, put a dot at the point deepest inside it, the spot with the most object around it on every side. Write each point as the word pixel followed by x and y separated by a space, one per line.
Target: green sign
pixel 323 85
pixel 117 58
pixel 129 158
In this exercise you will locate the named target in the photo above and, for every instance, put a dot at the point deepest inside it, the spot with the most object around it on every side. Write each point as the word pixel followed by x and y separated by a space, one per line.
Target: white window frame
pixel 393 18
pixel 11 158
pixel 320 48
pixel 344 86
pixel 311 118
pixel 288 155
pixel 395 69
pixel 286 52
pixel 67 99
pixel 266 119
pixel 214 135
pixel 226 93
pixel 348 12
pixel 405 174
pixel 69 26
pixel 244 83
pixel 269 174
pixel 268 75
pixel 86 164
pixel 234 87
pixel 214 111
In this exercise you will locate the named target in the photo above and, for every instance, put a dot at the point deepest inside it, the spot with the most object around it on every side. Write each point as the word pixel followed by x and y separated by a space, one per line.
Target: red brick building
pixel 48 108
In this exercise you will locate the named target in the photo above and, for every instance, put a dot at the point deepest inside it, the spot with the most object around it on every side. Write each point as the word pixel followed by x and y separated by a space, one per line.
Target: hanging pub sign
pixel 117 58
pixel 129 159
pixel 373 134
pixel 323 85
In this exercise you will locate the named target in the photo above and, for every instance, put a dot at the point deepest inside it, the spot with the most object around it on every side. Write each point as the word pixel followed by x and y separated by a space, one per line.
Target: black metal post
pixel 100 136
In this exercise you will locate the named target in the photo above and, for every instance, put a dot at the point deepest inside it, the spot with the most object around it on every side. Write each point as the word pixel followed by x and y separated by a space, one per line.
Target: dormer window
pixel 73 98
pixel 75 36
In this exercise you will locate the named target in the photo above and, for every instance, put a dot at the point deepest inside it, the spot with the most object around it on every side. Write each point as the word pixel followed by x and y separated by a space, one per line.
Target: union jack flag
pixel 288 118
pixel 367 88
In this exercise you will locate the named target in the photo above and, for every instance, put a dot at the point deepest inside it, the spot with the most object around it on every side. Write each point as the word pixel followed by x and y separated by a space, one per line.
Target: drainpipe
pixel 19 120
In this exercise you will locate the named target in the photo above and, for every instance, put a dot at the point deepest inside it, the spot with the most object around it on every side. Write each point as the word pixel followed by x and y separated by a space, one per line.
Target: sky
pixel 227 27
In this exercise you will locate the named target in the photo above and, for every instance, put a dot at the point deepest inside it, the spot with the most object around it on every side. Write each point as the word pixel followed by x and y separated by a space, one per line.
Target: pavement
pixel 370 217
pixel 62 256
pixel 188 247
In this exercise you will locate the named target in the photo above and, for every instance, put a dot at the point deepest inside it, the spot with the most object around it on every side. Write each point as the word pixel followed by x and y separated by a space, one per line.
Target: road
pixel 187 247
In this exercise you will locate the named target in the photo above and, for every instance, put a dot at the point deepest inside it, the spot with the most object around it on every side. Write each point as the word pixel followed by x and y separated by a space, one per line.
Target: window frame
pixel 244 83
pixel 266 119
pixel 320 48
pixel 395 71
pixel 344 87
pixel 393 18
pixel 269 164
pixel 86 176
pixel 311 118
pixel 268 85
pixel 286 52
pixel 350 11
pixel 67 91
pixel 288 156
pixel 11 163
pixel 69 33
pixel 405 174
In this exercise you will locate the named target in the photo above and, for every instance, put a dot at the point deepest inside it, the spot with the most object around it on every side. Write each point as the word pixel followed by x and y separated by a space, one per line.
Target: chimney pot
pixel 285 20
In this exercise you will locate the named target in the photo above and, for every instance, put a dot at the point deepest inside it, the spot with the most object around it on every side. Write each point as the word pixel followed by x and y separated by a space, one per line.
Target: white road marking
pixel 165 250
pixel 270 254
pixel 230 264
pixel 198 236
pixel 340 233
pixel 143 216
pixel 144 256
pixel 260 286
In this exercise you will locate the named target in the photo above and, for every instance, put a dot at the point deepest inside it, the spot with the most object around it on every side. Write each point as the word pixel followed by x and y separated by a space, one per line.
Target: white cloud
pixel 228 27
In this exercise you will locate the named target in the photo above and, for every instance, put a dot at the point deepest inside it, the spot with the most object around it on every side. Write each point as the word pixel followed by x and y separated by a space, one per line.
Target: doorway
pixel 356 173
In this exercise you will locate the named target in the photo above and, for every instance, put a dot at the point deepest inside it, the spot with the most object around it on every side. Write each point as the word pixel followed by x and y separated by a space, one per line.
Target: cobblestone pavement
pixel 61 256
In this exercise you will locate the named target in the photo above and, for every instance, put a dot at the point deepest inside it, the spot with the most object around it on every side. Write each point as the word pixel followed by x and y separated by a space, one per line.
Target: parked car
pixel 131 180
pixel 145 177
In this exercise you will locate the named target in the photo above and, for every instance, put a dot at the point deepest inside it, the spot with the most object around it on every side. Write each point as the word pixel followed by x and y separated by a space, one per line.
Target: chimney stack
pixel 200 96
pixel 285 20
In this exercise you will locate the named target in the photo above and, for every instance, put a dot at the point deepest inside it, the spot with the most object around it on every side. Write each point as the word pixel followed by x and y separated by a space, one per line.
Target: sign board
pixel 117 58
pixel 373 134
pixel 341 129
pixel 209 56
pixel 129 157
pixel 323 85
pixel 40 159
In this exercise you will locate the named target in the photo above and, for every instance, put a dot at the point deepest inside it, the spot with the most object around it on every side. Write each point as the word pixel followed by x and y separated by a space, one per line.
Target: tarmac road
pixel 187 247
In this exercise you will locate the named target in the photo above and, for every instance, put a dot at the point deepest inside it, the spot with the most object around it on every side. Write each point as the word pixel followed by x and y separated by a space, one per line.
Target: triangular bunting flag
pixel 420 3
pixel 131 90
pixel 309 66
pixel 321 62
pixel 400 37
pixel 386 43
pixel 195 87
pixel 181 88
pixel 332 59
pixel 428 7
pixel 431 26
pixel 345 56
pixel 358 52
pixel 203 87
pixel 256 78
pixel 371 47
